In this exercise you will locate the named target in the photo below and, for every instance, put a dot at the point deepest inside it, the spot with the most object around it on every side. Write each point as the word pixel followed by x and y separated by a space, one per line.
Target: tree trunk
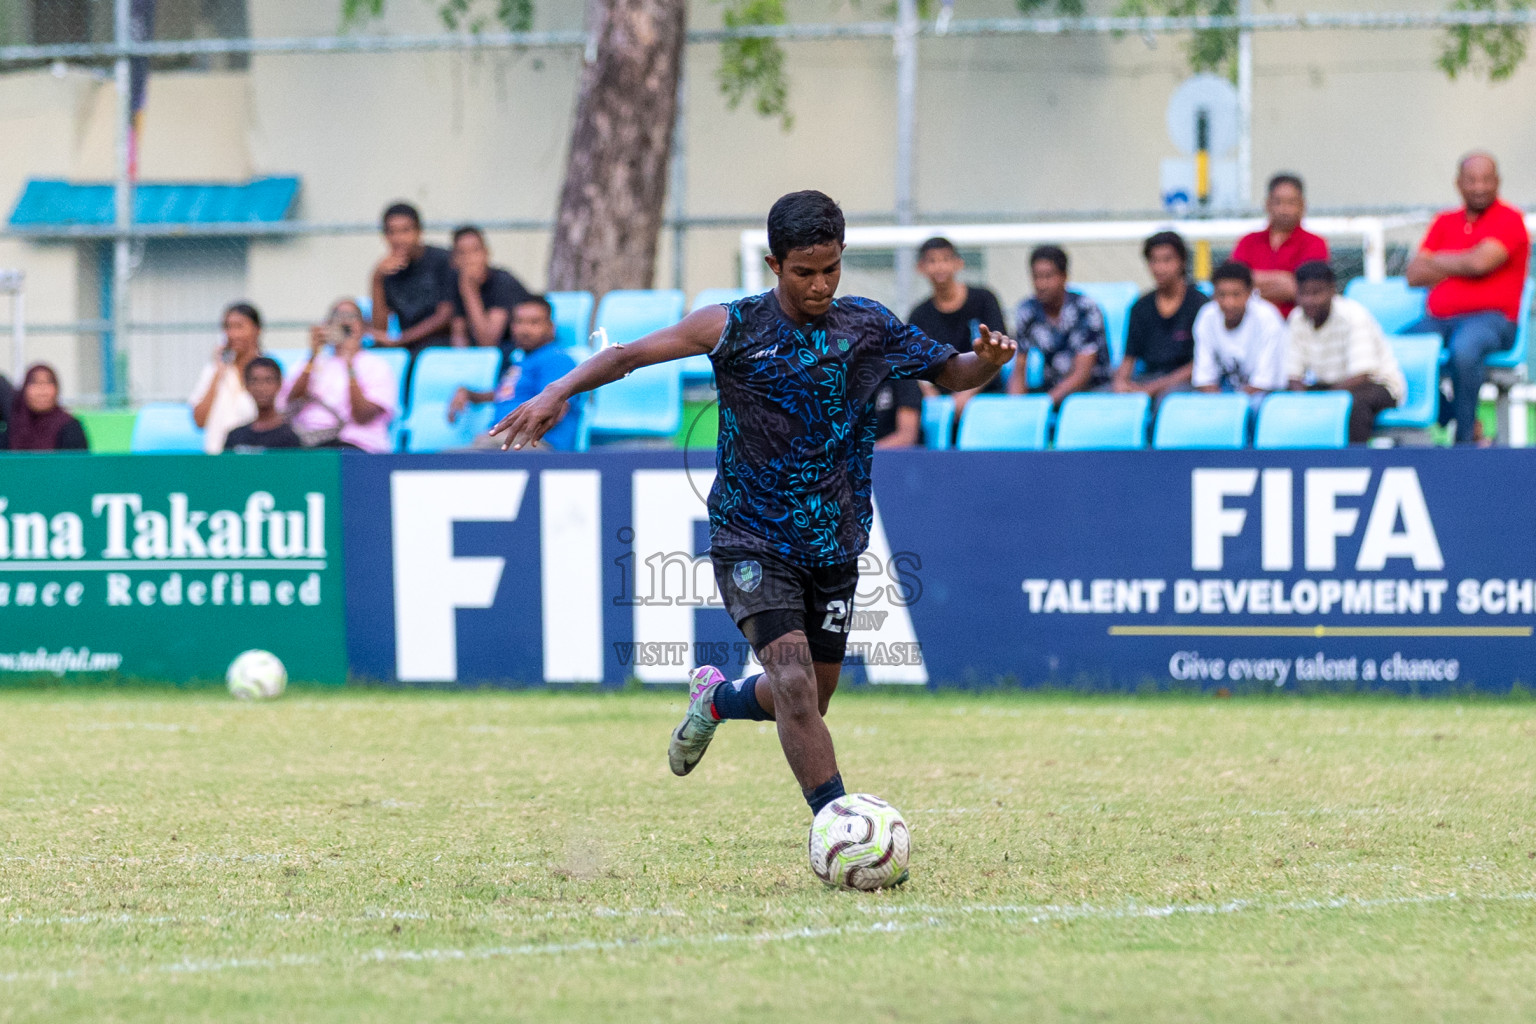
pixel 616 174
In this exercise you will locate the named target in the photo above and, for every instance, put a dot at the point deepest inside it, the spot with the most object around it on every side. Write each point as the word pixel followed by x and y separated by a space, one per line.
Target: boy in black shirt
pixel 484 296
pixel 1162 322
pixel 415 282
pixel 956 311
pixel 263 379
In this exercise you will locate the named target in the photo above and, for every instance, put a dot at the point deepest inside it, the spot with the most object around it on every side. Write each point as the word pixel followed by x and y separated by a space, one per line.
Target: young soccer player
pixel 789 512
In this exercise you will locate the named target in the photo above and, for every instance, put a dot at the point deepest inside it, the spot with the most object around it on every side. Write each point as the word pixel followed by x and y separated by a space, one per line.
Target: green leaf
pixel 1213 50
pixel 1492 50
pixel 474 16
pixel 752 70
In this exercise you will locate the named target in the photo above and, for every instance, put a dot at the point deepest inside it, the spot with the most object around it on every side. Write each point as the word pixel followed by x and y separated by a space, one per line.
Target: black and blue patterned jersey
pixel 797 424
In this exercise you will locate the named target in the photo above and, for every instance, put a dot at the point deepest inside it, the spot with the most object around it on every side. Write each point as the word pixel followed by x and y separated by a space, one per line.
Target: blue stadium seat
pixel 584 423
pixel 1391 301
pixel 1419 356
pixel 647 403
pixel 290 359
pixel 938 421
pixel 1005 423
pixel 166 427
pixel 1201 421
pixel 717 296
pixel 442 371
pixel 1034 368
pixel 626 315
pixel 365 307
pixel 1102 422
pixel 573 317
pixel 427 429
pixel 1514 357
pixel 1304 419
pixel 1115 299
pixel 399 360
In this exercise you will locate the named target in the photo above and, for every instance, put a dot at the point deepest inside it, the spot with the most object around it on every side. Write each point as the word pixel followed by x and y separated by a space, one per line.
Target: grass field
pixel 493 856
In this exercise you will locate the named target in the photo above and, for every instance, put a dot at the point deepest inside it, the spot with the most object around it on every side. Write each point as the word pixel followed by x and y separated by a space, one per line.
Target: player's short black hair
pixel 468 229
pixel 1172 239
pixel 1230 271
pixel 538 300
pixel 400 210
pixel 802 220
pixel 1285 178
pixel 1052 254
pixel 268 363
pixel 934 244
pixel 244 309
pixel 1316 270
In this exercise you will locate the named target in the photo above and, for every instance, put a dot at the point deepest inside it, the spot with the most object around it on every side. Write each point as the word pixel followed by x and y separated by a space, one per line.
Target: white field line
pixel 934 919
pixel 1042 913
pixel 193 858
pixel 1299 813
pixel 306 917
pixel 382 956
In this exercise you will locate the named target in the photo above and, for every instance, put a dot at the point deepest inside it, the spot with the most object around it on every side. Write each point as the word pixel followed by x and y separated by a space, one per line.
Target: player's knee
pixel 795 695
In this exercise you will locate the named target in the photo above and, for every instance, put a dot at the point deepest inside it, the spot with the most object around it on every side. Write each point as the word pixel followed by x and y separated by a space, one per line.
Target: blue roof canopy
pixel 62 204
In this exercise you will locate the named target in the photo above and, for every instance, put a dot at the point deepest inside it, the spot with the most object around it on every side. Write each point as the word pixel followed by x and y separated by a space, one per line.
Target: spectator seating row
pixel 1398 306
pixel 648 403
pixel 1103 422
pixel 424 426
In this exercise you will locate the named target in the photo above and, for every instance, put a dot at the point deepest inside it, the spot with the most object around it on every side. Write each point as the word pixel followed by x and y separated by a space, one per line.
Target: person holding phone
pixel 220 402
pixel 345 396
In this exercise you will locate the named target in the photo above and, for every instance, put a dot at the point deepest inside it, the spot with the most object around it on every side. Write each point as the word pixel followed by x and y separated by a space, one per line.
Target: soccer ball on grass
pixel 256 675
pixel 859 841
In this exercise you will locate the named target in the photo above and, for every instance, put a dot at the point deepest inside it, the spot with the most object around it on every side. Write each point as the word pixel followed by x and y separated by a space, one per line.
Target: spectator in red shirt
pixel 1474 262
pixel 1274 253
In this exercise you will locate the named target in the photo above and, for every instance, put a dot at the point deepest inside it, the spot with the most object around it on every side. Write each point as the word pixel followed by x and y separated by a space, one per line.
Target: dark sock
pixel 738 699
pixel 824 793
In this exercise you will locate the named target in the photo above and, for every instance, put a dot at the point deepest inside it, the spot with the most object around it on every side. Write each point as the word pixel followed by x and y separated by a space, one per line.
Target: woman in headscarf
pixel 36 422
pixel 220 402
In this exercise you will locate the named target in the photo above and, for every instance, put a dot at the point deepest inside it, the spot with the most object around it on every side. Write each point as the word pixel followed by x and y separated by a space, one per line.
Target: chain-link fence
pixel 1012 123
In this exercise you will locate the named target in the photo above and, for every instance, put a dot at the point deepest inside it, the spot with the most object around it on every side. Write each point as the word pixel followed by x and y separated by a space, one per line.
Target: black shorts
pixel 769 597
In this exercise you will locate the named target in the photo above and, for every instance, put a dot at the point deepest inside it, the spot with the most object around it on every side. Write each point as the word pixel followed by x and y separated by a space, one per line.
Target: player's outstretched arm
pixel 696 333
pixel 989 353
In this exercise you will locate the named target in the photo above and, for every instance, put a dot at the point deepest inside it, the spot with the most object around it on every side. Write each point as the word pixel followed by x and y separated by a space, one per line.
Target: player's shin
pixel 738 699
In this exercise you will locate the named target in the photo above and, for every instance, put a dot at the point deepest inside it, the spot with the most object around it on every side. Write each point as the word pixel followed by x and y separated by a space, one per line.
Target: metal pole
pixel 1245 108
pixel 906 131
pixel 677 188
pixel 12 283
pixel 122 197
pixel 19 326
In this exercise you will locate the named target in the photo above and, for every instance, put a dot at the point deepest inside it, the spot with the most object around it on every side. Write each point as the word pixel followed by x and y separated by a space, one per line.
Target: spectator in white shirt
pixel 220 402
pixel 1239 338
pixel 1337 345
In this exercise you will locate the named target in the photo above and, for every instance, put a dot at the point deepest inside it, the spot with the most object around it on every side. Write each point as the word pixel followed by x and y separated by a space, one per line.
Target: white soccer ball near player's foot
pixel 859 841
pixel 256 675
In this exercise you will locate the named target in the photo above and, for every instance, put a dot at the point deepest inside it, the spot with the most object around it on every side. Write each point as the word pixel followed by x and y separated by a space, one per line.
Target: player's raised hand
pixel 530 421
pixel 994 347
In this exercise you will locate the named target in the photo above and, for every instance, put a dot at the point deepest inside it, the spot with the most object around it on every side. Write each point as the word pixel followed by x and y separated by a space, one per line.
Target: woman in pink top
pixel 343 385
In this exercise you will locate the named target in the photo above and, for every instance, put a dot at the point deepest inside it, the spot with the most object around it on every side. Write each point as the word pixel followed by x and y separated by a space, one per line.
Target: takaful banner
pixel 166 567
pixel 1411 570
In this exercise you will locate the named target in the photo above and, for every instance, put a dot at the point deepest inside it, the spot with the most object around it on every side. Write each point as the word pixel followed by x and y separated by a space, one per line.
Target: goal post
pixel 1369 231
